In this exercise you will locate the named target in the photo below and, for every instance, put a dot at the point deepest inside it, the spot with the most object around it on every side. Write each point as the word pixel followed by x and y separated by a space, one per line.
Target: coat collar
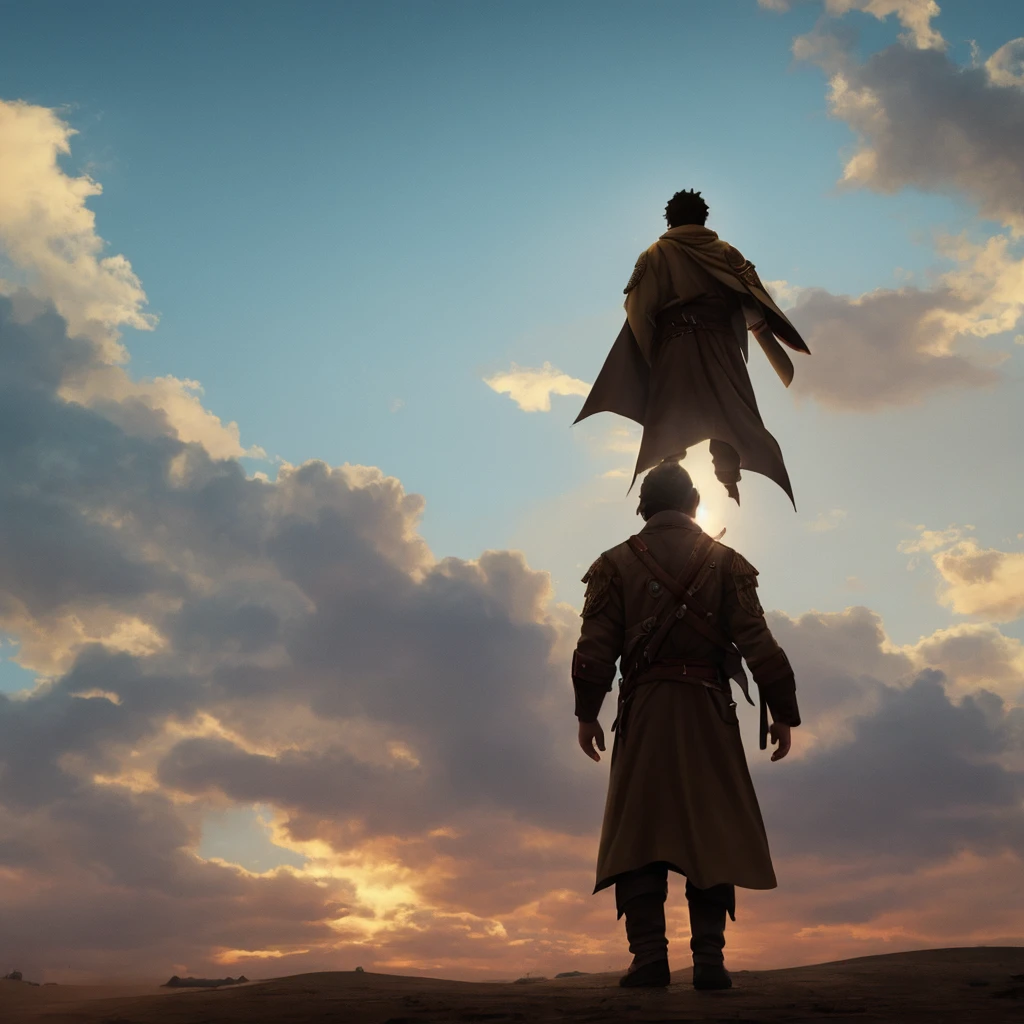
pixel 692 234
pixel 670 519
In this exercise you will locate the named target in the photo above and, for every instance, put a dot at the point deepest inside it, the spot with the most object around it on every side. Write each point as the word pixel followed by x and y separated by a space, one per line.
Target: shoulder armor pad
pixel 746 584
pixel 598 579
pixel 638 272
pixel 741 567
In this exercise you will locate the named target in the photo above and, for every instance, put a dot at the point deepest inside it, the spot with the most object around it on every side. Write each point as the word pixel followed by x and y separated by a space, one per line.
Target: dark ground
pixel 975 985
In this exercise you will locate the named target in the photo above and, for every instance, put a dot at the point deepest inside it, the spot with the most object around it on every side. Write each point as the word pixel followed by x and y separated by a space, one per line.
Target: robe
pixel 696 387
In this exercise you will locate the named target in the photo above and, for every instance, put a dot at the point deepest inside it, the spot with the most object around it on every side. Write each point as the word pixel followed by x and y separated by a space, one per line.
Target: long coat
pixel 696 387
pixel 679 790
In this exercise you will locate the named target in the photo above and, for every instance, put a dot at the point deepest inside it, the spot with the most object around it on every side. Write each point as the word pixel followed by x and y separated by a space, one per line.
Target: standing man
pixel 677 610
pixel 678 366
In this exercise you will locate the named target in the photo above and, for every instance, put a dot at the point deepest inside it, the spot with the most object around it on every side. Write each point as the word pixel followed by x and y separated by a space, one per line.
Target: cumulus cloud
pixel 914 15
pixel 886 347
pixel 1006 66
pixel 49 237
pixel 531 389
pixel 931 540
pixel 973 655
pixel 937 794
pixel 50 234
pixel 976 581
pixel 982 581
pixel 920 121
pixel 896 346
pixel 291 642
pixel 923 121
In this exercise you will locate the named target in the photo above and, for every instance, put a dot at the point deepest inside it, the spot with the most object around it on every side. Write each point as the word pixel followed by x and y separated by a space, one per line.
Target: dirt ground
pixel 974 985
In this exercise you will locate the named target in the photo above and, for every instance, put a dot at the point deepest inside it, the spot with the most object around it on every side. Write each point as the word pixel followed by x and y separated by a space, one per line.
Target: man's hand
pixel 779 734
pixel 589 733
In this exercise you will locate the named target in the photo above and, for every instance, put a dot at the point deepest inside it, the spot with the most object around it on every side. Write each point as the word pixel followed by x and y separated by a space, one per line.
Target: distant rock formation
pixel 528 980
pixel 13 976
pixel 177 982
pixel 572 974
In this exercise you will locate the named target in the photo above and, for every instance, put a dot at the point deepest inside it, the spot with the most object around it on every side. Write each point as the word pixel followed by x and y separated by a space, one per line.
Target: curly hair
pixel 686 208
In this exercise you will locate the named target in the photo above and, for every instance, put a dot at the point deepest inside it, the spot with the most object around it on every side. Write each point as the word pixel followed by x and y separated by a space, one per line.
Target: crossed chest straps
pixel 678 604
pixel 643 656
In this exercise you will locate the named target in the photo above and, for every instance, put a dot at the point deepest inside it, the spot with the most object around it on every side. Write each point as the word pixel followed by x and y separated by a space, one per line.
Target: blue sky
pixel 348 215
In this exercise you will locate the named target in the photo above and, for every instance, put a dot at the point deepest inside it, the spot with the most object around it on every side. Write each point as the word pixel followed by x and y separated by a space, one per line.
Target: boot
pixel 645 929
pixel 726 461
pixel 707 940
pixel 655 975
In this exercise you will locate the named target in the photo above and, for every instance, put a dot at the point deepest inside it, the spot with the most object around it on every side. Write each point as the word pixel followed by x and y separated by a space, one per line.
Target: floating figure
pixel 678 610
pixel 678 366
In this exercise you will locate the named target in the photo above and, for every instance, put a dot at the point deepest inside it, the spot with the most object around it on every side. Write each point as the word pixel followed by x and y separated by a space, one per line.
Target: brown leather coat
pixel 680 791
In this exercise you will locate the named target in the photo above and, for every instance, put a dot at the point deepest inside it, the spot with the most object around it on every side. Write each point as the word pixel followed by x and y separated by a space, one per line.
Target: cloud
pixel 914 15
pixel 923 121
pixel 932 540
pixel 877 798
pixel 973 655
pixel 49 233
pixel 887 347
pixel 920 121
pixel 1006 66
pixel 827 521
pixel 784 293
pixel 982 581
pixel 531 389
pixel 976 581
pixel 293 639
pixel 896 346
pixel 49 237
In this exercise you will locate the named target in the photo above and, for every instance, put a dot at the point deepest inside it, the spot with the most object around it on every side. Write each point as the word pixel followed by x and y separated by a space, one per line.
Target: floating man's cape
pixel 693 393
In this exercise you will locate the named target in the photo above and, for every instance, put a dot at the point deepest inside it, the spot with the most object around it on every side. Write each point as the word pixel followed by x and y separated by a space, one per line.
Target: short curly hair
pixel 686 208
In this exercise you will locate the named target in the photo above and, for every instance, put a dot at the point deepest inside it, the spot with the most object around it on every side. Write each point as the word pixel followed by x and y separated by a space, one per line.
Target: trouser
pixel 726 462
pixel 641 895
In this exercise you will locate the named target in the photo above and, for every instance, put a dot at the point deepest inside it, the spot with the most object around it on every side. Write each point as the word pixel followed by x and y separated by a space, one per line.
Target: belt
pixel 667 670
pixel 677 320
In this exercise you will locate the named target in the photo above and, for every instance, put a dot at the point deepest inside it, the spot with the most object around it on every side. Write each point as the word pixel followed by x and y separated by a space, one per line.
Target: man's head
pixel 686 208
pixel 667 486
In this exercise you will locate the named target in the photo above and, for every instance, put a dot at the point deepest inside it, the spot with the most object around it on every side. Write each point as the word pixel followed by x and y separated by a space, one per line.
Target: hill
pixel 977 983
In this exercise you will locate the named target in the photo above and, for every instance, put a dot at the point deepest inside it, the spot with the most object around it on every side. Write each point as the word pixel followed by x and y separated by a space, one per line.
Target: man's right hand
pixel 780 734
pixel 589 734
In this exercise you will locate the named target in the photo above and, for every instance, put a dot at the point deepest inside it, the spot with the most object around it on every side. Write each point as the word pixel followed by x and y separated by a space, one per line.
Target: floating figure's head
pixel 686 208
pixel 667 486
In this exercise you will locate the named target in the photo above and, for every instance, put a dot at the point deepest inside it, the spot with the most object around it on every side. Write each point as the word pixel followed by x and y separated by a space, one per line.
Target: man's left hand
pixel 780 734
pixel 591 733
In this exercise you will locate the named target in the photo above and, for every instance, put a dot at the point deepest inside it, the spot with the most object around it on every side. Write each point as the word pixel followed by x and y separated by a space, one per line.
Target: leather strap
pixel 698 559
pixel 681 590
pixel 676 587
pixel 694 615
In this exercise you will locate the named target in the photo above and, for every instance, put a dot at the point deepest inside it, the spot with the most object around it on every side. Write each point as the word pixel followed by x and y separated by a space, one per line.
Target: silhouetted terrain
pixel 177 982
pixel 973 984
